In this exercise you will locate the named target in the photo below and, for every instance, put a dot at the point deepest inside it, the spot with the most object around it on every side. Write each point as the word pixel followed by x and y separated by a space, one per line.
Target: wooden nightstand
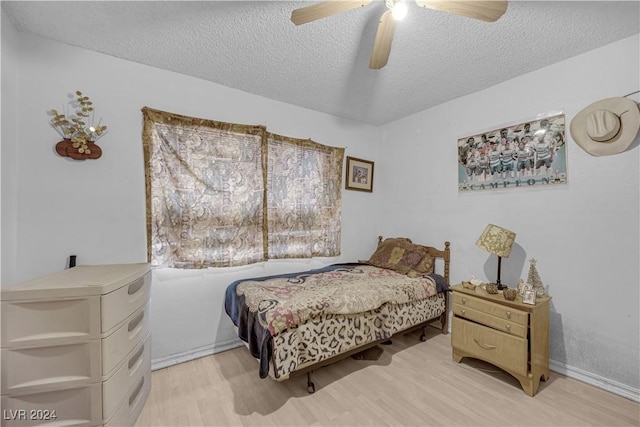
pixel 508 334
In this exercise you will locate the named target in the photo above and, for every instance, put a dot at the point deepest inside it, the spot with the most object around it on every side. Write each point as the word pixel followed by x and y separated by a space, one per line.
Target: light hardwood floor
pixel 412 384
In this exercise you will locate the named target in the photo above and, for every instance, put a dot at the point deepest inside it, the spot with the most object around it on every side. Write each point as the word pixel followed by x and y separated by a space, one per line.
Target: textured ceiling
pixel 323 65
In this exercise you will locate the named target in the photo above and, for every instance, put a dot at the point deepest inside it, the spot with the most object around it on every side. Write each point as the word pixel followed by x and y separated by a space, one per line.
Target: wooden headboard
pixel 444 254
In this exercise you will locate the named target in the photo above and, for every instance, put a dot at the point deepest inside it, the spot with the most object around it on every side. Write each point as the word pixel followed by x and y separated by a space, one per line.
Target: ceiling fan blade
pixel 324 9
pixel 382 42
pixel 489 10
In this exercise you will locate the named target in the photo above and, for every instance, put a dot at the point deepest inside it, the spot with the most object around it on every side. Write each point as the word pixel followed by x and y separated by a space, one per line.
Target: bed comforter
pixel 262 308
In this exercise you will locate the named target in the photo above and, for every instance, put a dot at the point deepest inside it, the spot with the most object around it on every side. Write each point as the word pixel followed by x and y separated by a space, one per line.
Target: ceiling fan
pixel 489 11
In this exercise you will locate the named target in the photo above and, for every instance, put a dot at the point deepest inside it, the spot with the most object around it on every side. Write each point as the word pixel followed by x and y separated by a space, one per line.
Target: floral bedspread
pixel 262 308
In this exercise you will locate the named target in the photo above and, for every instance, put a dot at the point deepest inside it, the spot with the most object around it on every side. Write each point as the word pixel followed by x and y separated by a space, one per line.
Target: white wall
pixel 8 148
pixel 585 235
pixel 95 209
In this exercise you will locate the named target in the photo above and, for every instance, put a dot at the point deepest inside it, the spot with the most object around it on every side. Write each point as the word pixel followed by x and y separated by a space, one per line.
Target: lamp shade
pixel 497 240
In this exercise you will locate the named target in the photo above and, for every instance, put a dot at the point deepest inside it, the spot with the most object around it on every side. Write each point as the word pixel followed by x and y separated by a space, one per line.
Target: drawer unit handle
pixel 464 300
pixel 463 311
pixel 135 322
pixel 133 396
pixel 136 286
pixel 508 315
pixel 136 357
pixel 485 346
pixel 508 327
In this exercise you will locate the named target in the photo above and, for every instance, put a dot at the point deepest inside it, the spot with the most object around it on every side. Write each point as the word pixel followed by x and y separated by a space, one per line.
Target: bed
pixel 298 322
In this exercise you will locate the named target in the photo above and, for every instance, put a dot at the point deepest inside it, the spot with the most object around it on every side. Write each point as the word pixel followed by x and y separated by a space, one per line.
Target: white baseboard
pixel 595 380
pixel 560 368
pixel 196 353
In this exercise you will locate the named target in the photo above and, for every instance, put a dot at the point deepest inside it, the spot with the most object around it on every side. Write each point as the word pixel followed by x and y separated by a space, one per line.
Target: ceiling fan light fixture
pixel 399 10
pixel 484 10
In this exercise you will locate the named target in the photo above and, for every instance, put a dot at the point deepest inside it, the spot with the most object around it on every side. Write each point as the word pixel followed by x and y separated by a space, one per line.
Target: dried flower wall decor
pixel 78 136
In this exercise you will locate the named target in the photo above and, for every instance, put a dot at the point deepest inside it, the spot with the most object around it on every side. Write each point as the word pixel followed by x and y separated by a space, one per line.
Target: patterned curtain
pixel 222 194
pixel 304 204
pixel 205 191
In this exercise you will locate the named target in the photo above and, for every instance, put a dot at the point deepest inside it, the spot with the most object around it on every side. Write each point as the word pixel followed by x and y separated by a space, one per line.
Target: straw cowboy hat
pixel 607 126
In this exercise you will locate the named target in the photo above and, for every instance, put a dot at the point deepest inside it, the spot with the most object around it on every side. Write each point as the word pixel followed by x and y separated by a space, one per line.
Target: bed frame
pixel 445 256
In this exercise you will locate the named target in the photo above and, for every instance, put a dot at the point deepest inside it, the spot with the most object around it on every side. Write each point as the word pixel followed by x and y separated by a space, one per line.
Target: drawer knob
pixel 464 300
pixel 508 315
pixel 463 311
pixel 508 327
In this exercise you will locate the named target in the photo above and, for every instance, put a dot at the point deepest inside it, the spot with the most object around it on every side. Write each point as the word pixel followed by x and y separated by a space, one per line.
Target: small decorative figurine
pixel 521 285
pixel 534 278
pixel 468 285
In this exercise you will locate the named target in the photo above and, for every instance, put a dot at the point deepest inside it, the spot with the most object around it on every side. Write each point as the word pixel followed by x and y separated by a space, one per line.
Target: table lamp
pixel 498 241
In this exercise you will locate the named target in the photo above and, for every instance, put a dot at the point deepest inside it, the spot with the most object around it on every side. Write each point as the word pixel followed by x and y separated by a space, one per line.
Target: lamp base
pixel 500 286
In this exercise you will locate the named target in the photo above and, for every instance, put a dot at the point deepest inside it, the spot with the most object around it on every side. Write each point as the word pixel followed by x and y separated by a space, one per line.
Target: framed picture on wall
pixel 515 156
pixel 359 175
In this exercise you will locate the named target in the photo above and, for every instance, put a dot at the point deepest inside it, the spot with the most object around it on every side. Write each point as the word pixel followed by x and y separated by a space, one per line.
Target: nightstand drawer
pixel 503 350
pixel 513 315
pixel 489 320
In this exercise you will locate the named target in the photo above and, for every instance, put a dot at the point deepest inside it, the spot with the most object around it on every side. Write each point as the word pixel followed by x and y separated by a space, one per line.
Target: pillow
pixel 403 256
pixel 426 265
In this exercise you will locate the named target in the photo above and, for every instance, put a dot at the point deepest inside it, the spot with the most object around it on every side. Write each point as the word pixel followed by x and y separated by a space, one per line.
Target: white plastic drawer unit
pixel 37 321
pixel 116 346
pixel 120 303
pixel 74 406
pixel 131 406
pixel 77 344
pixel 48 368
pixel 127 377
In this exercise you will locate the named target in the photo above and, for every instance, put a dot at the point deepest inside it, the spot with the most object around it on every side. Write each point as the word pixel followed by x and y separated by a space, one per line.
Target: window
pixel 222 194
pixel 304 179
